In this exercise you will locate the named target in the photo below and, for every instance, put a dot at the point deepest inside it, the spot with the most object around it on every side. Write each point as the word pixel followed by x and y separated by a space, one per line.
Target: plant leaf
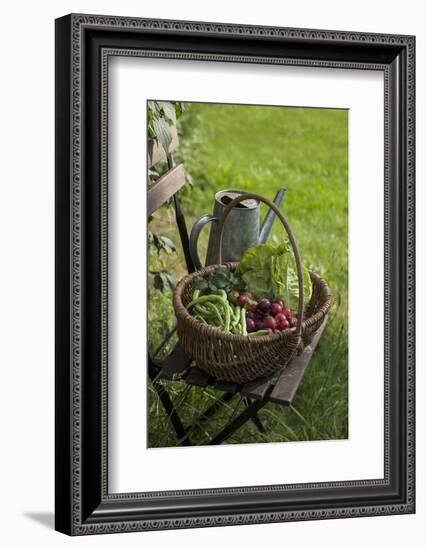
pixel 163 281
pixel 163 243
pixel 200 283
pixel 168 110
pixel 162 132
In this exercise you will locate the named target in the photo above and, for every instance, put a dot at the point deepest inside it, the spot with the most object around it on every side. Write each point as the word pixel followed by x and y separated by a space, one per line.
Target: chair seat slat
pixel 291 377
pixel 228 387
pixel 198 377
pixel 257 388
pixel 176 363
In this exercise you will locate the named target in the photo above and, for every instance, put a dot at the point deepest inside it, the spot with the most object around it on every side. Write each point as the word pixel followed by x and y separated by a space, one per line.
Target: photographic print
pixel 223 331
pixel 235 282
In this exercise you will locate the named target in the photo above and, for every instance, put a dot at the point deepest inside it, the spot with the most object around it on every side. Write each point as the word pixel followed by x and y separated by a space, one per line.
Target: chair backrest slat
pixel 165 187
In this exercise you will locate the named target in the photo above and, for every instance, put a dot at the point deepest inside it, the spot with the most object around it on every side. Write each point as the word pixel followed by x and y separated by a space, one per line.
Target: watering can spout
pixel 270 217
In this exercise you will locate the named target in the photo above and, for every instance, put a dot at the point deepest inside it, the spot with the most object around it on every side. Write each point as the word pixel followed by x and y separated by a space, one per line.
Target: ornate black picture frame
pixel 84 44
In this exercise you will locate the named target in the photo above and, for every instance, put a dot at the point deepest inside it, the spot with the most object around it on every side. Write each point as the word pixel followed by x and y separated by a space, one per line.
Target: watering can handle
pixel 270 217
pixel 193 238
pixel 283 220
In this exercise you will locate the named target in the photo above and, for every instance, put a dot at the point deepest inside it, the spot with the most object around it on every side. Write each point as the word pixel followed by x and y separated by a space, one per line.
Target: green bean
pixel 226 315
pixel 201 319
pixel 211 311
pixel 217 313
pixel 196 294
pixel 235 319
pixel 209 298
pixel 222 308
pixel 262 332
pixel 228 318
pixel 225 311
pixel 234 322
pixel 243 322
pixel 208 313
pixel 237 314
pixel 203 310
pixel 208 301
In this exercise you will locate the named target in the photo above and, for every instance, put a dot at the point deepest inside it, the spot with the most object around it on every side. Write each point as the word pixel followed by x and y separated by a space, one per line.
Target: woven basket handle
pixel 280 216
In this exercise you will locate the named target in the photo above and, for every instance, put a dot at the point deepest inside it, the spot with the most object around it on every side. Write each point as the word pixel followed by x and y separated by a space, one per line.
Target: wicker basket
pixel 240 359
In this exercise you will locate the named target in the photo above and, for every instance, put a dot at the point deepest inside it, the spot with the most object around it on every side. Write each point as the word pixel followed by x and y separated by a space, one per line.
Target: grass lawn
pixel 261 149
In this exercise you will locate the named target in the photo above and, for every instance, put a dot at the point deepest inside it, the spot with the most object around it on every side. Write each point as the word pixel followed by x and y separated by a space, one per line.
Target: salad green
pixel 269 270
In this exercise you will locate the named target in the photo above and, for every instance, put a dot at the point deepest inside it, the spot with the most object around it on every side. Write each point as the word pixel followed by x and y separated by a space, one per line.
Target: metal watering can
pixel 242 228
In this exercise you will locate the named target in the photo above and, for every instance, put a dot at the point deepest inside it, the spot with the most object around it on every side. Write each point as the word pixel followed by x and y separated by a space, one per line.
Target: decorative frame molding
pixel 84 43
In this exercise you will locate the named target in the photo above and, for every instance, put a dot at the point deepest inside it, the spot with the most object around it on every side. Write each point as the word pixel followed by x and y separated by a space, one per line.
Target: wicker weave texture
pixel 240 359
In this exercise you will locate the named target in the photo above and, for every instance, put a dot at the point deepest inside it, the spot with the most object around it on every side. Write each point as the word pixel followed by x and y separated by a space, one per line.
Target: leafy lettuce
pixel 270 271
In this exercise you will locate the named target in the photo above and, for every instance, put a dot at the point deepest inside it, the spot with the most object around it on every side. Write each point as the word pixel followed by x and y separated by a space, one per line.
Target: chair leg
pixel 209 412
pixel 171 413
pixel 167 403
pixel 181 223
pixel 235 411
pixel 246 415
pixel 183 232
pixel 255 418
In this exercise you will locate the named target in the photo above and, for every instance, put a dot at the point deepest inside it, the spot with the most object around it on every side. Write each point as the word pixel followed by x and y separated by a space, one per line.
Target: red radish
pixel 253 307
pixel 248 294
pixel 287 312
pixel 264 305
pixel 242 299
pixel 280 317
pixel 269 322
pixel 283 325
pixel 276 308
pixel 280 303
pixel 251 325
